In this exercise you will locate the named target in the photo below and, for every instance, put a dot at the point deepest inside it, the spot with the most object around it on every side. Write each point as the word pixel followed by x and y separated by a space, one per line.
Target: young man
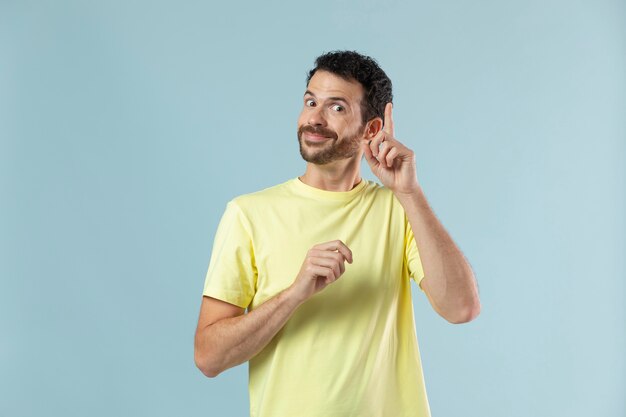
pixel 323 264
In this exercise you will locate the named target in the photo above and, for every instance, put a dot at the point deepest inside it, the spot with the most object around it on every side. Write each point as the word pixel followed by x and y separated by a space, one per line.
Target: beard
pixel 333 149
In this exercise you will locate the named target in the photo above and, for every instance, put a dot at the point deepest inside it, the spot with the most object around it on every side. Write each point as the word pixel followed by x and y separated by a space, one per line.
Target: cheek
pixel 347 127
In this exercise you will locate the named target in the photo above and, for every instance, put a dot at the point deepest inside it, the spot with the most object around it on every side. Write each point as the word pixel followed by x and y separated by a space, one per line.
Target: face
pixel 330 126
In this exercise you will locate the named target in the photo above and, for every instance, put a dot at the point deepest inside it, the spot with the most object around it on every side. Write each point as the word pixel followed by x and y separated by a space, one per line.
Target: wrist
pixel 410 195
pixel 292 295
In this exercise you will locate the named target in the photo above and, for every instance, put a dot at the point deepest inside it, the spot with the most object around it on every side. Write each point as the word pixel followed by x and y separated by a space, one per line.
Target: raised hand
pixel 391 161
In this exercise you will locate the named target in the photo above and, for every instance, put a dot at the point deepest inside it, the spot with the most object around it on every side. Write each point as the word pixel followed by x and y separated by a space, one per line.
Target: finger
pixel 369 157
pixel 391 155
pixel 386 148
pixel 337 267
pixel 376 141
pixel 337 245
pixel 335 256
pixel 388 127
pixel 322 271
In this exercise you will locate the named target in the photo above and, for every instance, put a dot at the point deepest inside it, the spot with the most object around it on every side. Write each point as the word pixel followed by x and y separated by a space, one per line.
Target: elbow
pixel 204 364
pixel 467 314
pixel 207 369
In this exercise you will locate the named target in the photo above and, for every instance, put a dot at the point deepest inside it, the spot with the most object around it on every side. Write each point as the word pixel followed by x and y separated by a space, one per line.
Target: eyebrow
pixel 309 92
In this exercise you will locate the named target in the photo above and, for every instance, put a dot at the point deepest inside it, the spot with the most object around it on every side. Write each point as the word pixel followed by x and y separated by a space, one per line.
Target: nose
pixel 316 116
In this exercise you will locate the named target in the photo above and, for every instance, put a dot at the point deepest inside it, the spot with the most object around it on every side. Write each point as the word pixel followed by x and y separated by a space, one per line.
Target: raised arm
pixel 449 281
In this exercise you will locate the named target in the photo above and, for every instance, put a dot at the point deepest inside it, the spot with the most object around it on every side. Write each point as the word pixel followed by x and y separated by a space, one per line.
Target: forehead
pixel 326 84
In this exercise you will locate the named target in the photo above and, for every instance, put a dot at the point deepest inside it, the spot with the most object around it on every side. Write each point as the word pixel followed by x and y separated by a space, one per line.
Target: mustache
pixel 317 130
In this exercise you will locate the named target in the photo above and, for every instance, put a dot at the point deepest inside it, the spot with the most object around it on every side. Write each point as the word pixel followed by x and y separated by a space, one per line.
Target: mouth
pixel 313 137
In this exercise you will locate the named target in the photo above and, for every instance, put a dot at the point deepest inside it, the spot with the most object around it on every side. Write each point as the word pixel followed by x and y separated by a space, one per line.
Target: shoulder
pixel 379 192
pixel 376 188
pixel 385 201
pixel 246 203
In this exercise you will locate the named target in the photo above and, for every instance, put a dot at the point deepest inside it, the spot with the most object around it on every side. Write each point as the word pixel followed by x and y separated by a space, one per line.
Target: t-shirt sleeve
pixel 412 254
pixel 232 272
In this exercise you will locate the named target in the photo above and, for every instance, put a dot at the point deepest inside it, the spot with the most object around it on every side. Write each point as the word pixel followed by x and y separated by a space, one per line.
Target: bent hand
pixel 324 264
pixel 390 160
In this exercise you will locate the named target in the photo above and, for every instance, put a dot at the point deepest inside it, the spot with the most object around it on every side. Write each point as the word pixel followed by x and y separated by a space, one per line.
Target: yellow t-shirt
pixel 351 349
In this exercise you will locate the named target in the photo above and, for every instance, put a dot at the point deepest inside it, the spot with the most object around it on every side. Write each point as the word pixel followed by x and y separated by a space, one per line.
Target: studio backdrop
pixel 126 127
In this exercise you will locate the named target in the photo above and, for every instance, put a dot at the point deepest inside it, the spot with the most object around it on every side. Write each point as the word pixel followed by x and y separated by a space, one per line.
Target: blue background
pixel 126 127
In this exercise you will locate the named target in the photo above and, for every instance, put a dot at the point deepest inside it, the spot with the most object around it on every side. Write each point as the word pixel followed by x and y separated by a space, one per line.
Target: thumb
pixel 369 157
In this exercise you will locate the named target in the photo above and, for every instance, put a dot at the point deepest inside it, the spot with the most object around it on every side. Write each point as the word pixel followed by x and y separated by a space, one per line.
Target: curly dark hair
pixel 351 65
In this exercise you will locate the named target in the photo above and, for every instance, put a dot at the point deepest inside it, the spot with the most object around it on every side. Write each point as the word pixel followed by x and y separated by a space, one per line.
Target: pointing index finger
pixel 388 127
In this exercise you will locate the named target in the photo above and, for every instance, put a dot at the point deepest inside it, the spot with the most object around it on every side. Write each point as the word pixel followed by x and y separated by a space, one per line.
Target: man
pixel 324 337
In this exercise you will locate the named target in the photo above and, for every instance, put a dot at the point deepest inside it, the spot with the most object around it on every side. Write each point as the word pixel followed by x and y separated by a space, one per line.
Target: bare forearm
pixel 232 341
pixel 451 283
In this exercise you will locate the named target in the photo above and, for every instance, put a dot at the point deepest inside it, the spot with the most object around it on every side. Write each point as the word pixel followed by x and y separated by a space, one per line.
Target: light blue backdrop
pixel 126 127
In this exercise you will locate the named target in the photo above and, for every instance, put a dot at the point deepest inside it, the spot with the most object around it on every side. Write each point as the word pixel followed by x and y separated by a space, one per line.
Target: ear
pixel 372 128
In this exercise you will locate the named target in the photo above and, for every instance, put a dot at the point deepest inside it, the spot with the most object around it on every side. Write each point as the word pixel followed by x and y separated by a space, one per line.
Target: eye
pixel 309 102
pixel 337 107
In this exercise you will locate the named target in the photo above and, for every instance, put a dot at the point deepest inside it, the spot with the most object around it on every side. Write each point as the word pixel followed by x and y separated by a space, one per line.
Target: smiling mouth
pixel 312 137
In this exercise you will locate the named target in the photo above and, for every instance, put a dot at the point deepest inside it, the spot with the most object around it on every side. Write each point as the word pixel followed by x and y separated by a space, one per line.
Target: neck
pixel 341 175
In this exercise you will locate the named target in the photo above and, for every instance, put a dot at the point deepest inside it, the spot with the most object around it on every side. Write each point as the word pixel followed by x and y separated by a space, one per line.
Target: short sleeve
pixel 232 272
pixel 413 259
